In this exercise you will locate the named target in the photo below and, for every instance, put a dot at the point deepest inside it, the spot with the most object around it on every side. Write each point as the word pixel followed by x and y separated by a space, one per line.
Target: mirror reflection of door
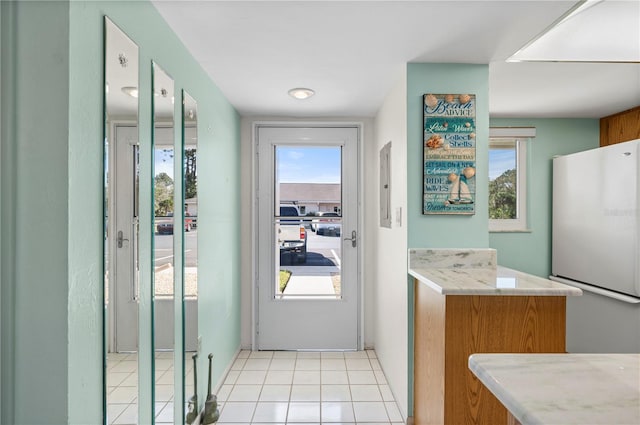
pixel 190 250
pixel 126 268
pixel 167 230
pixel 121 265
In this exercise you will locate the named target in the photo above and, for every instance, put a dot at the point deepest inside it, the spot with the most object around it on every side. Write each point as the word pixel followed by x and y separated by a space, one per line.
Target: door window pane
pixel 307 222
pixel 164 188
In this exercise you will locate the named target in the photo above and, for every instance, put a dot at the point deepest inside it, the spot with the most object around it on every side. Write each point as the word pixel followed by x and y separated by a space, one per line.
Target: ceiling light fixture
pixel 301 93
pixel 592 31
pixel 131 91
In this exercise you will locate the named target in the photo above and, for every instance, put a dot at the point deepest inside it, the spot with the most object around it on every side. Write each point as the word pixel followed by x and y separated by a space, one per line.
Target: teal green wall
pixel 52 202
pixel 531 252
pixel 35 114
pixel 6 198
pixel 445 231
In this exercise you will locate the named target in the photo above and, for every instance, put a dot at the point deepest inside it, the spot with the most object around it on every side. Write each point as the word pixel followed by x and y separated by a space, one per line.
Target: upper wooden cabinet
pixel 620 127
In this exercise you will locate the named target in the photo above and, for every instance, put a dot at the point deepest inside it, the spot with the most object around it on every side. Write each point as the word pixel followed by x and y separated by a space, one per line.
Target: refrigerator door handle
pixel 596 290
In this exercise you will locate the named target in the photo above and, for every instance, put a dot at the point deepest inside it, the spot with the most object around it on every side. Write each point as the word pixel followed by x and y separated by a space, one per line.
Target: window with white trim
pixel 508 178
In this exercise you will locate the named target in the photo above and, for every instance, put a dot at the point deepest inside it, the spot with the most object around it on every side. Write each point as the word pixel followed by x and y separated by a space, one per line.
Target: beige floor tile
pixel 261 355
pixel 335 393
pixel 305 393
pixel 245 393
pixel 304 412
pixel 275 393
pixel 370 411
pixel 237 412
pixel 341 412
pixel 334 377
pixel 257 364
pixel 365 393
pixel 269 388
pixel 270 412
pixel 275 377
pixel 333 364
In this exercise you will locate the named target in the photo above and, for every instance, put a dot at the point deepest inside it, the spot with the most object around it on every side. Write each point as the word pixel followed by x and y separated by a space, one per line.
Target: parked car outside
pixel 326 225
pixel 316 221
pixel 292 235
pixel 164 225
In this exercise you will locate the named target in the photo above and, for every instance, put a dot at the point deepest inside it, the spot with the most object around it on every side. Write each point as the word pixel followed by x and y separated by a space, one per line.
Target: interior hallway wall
pixel 34 221
pixel 248 226
pixel 52 334
pixel 444 231
pixel 530 252
pixel 389 244
pixel 218 175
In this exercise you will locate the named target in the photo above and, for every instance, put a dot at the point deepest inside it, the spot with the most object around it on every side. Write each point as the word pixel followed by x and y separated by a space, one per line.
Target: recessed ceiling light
pixel 131 91
pixel 301 93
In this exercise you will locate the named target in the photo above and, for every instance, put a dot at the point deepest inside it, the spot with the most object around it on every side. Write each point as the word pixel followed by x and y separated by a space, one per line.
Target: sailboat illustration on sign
pixel 460 193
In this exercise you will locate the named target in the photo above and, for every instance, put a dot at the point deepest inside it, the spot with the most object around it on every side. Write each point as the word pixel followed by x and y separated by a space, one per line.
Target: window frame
pixel 522 137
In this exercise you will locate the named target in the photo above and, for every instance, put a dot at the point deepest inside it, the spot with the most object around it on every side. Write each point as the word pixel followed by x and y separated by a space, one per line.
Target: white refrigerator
pixel 596 245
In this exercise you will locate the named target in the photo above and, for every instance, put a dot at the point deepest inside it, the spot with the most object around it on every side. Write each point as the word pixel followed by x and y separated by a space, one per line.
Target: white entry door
pixel 307 283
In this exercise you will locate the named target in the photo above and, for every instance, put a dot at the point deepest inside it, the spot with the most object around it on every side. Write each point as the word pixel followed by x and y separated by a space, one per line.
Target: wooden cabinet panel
pixel 448 329
pixel 494 324
pixel 620 127
pixel 429 359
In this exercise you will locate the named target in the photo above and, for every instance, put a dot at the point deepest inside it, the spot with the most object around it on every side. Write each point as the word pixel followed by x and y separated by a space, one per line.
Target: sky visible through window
pixel 164 162
pixel 299 164
pixel 295 164
pixel 501 160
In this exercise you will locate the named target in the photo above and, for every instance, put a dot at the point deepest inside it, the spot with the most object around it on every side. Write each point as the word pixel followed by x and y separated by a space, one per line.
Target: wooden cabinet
pixel 620 127
pixel 449 328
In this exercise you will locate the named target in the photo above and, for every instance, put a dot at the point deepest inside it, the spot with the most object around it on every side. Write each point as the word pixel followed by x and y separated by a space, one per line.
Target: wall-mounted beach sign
pixel 449 154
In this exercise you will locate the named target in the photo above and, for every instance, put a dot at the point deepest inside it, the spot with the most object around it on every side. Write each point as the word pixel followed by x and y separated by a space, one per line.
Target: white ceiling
pixel 353 52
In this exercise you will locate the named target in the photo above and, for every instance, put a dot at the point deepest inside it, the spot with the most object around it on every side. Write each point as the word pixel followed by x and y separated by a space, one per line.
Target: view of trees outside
pixel 503 181
pixel 164 185
pixel 190 175
pixel 164 195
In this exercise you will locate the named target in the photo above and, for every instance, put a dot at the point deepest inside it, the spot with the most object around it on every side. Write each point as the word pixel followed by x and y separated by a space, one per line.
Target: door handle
pixel 353 239
pixel 121 239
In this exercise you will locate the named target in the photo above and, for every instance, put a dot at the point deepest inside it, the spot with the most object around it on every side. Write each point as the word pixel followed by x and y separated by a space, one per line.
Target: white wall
pixel 247 228
pixel 390 254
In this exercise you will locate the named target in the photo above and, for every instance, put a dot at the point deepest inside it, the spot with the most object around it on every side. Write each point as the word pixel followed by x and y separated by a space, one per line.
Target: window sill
pixel 510 231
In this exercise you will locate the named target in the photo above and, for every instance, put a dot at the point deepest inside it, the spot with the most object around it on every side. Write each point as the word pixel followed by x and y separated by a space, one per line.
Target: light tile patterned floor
pixel 271 387
pixel 122 388
pixel 282 387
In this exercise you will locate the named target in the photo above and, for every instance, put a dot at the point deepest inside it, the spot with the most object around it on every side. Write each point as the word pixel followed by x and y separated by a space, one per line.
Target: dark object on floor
pixel 193 401
pixel 211 413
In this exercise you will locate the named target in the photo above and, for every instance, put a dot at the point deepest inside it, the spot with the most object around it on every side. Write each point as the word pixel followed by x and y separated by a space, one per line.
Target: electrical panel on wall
pixel 385 186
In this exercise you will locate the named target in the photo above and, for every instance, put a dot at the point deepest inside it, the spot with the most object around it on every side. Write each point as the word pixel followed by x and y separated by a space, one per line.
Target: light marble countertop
pixel 564 388
pixel 490 281
pixel 466 271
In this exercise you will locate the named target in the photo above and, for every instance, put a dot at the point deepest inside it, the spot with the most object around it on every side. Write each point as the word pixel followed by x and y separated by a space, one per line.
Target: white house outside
pixel 312 197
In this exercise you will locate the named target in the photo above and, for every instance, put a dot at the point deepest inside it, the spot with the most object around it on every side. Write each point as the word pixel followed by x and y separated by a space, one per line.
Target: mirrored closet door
pixel 190 251
pixel 121 227
pixel 168 228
